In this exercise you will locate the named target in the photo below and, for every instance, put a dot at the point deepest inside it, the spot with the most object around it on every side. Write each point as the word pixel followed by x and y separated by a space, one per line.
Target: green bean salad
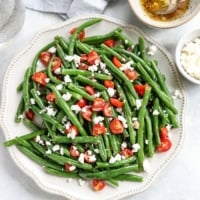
pixel 96 106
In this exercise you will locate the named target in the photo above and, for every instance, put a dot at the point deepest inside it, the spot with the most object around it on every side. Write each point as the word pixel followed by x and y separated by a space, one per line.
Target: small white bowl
pixel 194 8
pixel 186 38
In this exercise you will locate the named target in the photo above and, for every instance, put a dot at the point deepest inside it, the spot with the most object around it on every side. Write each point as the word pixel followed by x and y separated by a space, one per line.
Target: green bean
pixel 24 137
pixel 129 177
pixel 78 139
pixel 73 38
pixel 37 98
pixel 83 47
pixel 124 39
pixel 143 55
pixel 172 118
pixel 61 173
pixel 76 72
pixel 113 182
pixel 140 132
pixel 102 150
pixel 63 105
pixel 63 43
pixel 107 145
pixel 20 110
pixel 116 164
pixel 121 75
pixel 25 90
pixel 30 124
pixel 80 91
pixel 50 131
pixel 74 94
pixel 88 81
pixel 156 122
pixel 150 147
pixel 165 99
pixel 20 87
pixel 106 174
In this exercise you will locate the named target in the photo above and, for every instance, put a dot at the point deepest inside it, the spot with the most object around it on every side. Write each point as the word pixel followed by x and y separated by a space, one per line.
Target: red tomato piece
pixel 84 57
pixel 93 57
pixel 45 57
pixel 164 146
pixel 72 129
pixel 81 35
pixel 98 129
pixel 87 114
pixel 131 74
pixel 163 133
pixel 57 62
pixel 116 102
pixel 83 66
pixel 109 42
pixel 81 103
pixel 116 126
pixel 98 104
pixel 140 89
pixel 40 77
pixel 30 114
pixel 109 84
pixel 98 185
pixel 89 89
pixel 116 62
pixel 68 168
pixel 51 97
pixel 107 110
pixel 126 152
pixel 74 152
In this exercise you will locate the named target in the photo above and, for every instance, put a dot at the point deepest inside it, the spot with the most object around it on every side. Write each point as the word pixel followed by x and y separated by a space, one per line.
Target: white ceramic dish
pixel 193 9
pixel 186 38
pixel 10 100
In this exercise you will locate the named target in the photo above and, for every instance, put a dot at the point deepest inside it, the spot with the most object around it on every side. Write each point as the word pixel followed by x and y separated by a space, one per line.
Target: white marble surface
pixel 179 181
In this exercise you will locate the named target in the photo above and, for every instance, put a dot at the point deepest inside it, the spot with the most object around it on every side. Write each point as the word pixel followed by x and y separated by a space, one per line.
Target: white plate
pixel 10 99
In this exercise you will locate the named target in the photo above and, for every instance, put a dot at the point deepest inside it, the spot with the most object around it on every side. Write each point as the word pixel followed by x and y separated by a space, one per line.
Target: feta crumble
pixel 62 151
pixel 67 79
pixel 155 112
pixel 123 120
pixel 136 147
pixel 123 145
pixel 48 151
pixel 51 111
pixel 98 119
pixel 81 158
pixel 151 50
pixel 52 50
pixel 57 71
pixel 32 101
pixel 67 96
pixel 76 108
pixel 138 103
pixel 56 148
pixel 59 86
pixel 126 66
pixel 111 92
pixel 115 158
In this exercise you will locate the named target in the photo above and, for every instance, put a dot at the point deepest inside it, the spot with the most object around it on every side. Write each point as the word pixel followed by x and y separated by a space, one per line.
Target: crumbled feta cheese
pixel 57 71
pixel 146 166
pixel 38 92
pixel 111 92
pixel 136 124
pixel 52 50
pixel 67 96
pixel 56 148
pixel 48 151
pixel 115 158
pixel 93 68
pixel 37 139
pixel 67 125
pixel 81 158
pixel 72 168
pixel 123 145
pixel 64 119
pixel 151 50
pixel 96 151
pixel 71 134
pixel 67 79
pixel 85 108
pixel 127 65
pixel 136 147
pixel 177 95
pixel 40 65
pixel 123 120
pixel 134 119
pixel 76 108
pixel 77 59
pixel 81 182
pixel 155 112
pixel 146 141
pixel 89 152
pixel 59 86
pixel 98 119
pixel 92 158
pixel 20 117
pixel 103 68
pixel 69 58
pixel 32 101
pixel 47 143
pixel 126 41
pixel 119 110
pixel 169 126
pixel 62 151
pixel 97 94
pixel 47 80
pixel 138 103
pixel 51 111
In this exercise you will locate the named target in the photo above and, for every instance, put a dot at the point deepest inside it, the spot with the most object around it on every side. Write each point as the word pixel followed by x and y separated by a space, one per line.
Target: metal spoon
pixel 173 4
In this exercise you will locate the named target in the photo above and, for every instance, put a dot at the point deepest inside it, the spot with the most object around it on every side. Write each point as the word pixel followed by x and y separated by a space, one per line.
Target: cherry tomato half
pixel 163 133
pixel 107 110
pixel 74 152
pixel 109 84
pixel 93 57
pixel 45 57
pixel 98 104
pixel 68 168
pixel 72 129
pixel 116 62
pixel 89 89
pixel 40 77
pixel 116 102
pixel 87 114
pixel 81 103
pixel 81 35
pixel 126 152
pixel 131 74
pixel 57 62
pixel 140 89
pixel 116 126
pixel 30 114
pixel 164 146
pixel 51 97
pixel 98 129
pixel 109 42
pixel 98 185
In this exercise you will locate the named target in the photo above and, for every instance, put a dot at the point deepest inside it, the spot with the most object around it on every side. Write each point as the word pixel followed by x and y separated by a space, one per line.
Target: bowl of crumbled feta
pixel 188 56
